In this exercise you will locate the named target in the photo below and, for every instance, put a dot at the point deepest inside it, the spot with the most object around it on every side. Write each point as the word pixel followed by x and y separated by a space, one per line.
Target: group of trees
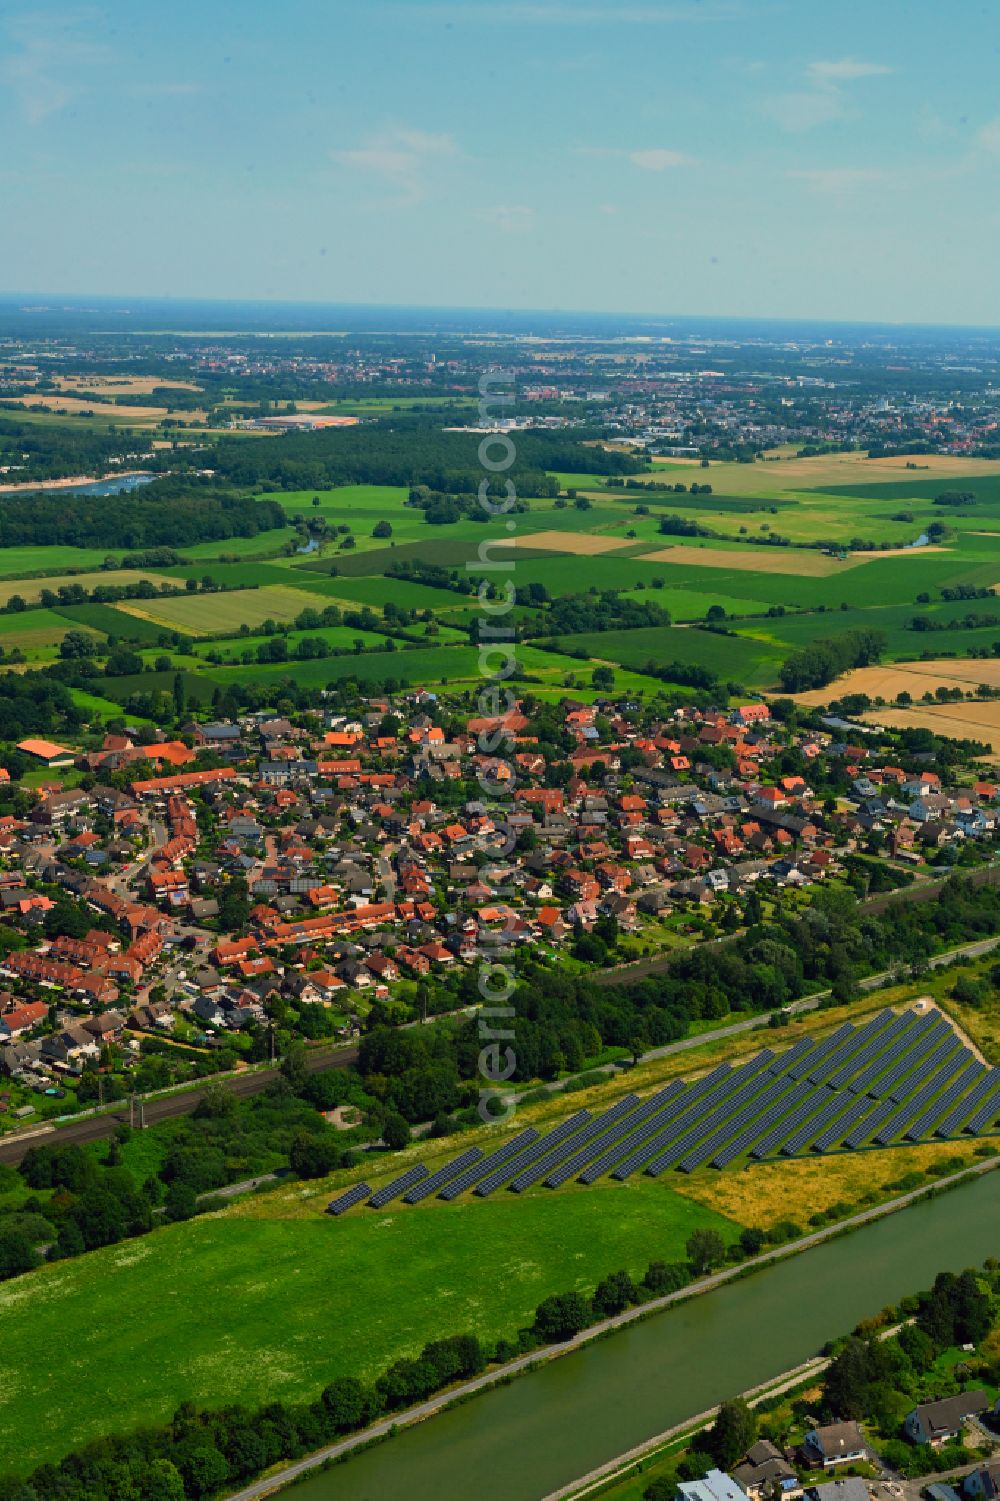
pixel 159 515
pixel 43 451
pixel 403 449
pixel 817 664
pixel 563 1020
pixel 96 1202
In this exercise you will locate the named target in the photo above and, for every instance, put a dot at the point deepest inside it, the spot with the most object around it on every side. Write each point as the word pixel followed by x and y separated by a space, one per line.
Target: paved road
pixel 551 1352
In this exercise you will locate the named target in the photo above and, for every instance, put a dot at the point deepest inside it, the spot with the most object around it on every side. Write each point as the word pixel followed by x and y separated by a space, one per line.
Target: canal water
pixel 522 1441
pixel 116 485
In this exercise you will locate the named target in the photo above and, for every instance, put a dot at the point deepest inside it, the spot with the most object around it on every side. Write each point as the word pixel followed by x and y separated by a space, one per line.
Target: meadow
pixel 271 1298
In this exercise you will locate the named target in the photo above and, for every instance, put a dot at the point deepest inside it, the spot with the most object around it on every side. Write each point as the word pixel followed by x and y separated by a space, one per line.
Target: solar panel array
pixel 989 1109
pixel 801 1104
pixel 503 1174
pixel 349 1199
pixel 918 1078
pixel 593 1164
pixel 956 1121
pixel 870 1060
pixel 731 1094
pixel 503 1154
pixel 397 1186
pixel 761 1100
pixel 443 1175
pixel 830 1110
pixel 895 1046
pixel 921 1040
pixel 969 1072
pixel 844 1059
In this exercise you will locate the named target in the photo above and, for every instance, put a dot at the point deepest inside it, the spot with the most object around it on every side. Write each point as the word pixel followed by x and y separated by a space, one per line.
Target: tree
pixel 614 1294
pixel 603 679
pixel 752 1241
pixel 181 1202
pixel 396 1132
pixel 732 1434
pixel 314 1154
pixel 560 1317
pixel 705 1249
pixel 348 1404
pixel 848 1381
pixel 17 1254
pixel 382 529
pixel 161 1481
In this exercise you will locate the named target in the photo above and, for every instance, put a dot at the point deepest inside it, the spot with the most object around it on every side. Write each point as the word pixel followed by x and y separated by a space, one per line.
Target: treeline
pixel 401 450
pixel 33 704
pixel 609 611
pixel 564 1020
pixel 63 452
pixel 817 664
pixel 150 517
pixel 683 526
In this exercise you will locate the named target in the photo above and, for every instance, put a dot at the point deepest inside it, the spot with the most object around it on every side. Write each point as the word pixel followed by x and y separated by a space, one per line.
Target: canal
pixel 522 1441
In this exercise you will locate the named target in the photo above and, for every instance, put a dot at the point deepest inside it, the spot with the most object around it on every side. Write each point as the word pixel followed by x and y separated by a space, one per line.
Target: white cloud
pixel 824 98
pixel 804 111
pixel 845 69
pixel 988 135
pixel 658 159
pixel 838 179
pixel 400 157
pixel 510 218
pixel 47 60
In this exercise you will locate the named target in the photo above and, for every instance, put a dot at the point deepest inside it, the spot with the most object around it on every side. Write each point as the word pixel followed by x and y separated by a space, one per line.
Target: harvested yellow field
pixel 898 552
pixel 122 385
pixel 802 562
pixel 776 472
pixel 795 1189
pixel 966 721
pixel 30 590
pixel 55 401
pixel 581 544
pixel 914 678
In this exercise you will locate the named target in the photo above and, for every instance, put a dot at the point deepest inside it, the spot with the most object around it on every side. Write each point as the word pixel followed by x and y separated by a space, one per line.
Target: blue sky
pixel 832 158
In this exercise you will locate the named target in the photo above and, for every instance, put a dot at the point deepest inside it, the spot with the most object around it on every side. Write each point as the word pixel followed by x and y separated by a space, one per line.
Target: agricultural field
pixel 568 551
pixel 754 663
pixel 212 614
pixel 20 562
pixel 37 632
pixel 30 590
pixel 915 678
pixel 965 721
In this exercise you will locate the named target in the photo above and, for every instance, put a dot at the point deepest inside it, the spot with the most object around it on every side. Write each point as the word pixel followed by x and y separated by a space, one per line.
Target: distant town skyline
pixel 708 159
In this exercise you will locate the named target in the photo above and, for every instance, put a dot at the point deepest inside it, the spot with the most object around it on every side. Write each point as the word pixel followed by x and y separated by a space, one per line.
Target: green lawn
pixel 274 1299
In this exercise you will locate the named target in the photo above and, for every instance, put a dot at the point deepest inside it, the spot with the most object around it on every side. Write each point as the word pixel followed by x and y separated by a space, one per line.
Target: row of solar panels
pixel 769 1105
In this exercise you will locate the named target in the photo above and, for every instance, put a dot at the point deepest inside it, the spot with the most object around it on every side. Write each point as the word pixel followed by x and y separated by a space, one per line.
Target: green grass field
pixel 751 662
pixel 25 560
pixel 273 1299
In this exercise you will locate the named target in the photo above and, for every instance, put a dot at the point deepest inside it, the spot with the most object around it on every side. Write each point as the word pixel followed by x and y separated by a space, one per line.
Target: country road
pixel 423 1410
